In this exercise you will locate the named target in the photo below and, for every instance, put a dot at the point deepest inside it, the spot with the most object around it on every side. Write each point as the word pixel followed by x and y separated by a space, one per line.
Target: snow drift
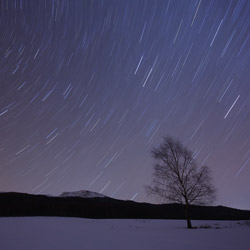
pixel 54 233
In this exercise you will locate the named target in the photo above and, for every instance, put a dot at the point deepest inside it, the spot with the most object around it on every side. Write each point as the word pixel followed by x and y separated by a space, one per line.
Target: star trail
pixel 88 88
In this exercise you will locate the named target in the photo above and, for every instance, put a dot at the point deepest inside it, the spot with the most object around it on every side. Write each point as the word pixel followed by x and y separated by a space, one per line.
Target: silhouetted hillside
pixel 20 204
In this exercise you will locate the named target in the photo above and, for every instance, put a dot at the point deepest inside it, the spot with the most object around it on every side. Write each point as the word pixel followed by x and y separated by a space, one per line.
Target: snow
pixel 55 233
pixel 82 194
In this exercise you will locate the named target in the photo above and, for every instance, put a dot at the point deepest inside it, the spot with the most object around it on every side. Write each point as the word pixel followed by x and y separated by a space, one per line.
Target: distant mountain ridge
pixel 21 204
pixel 82 194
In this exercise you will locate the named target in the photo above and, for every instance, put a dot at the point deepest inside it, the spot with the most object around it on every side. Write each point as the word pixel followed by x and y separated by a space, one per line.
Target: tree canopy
pixel 178 178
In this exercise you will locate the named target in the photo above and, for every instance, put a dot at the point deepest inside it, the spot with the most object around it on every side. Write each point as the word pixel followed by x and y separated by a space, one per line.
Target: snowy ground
pixel 47 233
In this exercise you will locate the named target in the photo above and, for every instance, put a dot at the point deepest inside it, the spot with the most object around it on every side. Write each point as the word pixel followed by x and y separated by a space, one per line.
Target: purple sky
pixel 87 88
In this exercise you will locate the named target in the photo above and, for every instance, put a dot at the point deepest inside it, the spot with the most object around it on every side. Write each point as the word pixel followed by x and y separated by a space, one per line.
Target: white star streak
pixel 196 13
pixel 231 107
pixel 216 33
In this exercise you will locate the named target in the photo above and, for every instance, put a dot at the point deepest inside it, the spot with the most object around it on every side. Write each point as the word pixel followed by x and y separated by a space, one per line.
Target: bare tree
pixel 177 178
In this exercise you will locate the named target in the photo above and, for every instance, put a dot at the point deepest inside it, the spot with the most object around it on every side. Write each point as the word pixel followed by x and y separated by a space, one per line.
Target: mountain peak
pixel 82 194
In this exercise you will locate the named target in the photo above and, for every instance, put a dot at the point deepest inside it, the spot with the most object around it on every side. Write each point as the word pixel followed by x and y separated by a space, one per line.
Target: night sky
pixel 88 88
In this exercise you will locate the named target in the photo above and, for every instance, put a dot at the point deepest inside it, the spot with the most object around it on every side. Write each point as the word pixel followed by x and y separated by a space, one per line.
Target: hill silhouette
pixel 22 204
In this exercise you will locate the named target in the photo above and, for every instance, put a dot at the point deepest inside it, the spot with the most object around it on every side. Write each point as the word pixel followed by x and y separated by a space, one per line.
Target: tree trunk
pixel 189 225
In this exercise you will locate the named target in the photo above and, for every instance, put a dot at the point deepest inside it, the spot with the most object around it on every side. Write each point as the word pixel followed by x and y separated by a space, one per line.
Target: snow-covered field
pixel 55 233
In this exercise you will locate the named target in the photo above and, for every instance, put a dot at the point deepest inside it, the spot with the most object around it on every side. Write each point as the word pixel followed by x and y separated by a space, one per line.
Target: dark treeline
pixel 20 204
